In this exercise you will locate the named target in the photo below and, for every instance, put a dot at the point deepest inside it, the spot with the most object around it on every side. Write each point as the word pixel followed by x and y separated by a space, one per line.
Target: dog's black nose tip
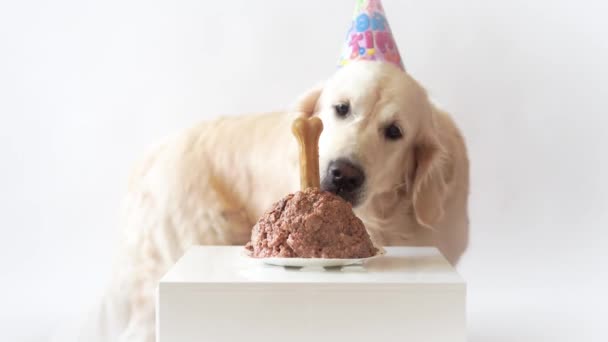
pixel 345 176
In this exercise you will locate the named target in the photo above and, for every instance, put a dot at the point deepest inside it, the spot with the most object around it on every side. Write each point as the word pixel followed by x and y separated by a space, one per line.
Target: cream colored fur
pixel 211 183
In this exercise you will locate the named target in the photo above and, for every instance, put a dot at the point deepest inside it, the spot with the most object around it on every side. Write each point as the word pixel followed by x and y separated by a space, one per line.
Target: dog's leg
pixel 159 230
pixel 141 326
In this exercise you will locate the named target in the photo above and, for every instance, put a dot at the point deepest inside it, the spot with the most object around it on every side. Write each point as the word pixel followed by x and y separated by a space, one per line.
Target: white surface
pixel 319 262
pixel 226 266
pixel 86 85
pixel 403 295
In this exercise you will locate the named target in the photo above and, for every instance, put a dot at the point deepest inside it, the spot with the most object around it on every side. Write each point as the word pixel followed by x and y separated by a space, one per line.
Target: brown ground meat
pixel 310 224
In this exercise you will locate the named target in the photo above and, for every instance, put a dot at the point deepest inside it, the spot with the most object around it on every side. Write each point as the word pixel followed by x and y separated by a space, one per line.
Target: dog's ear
pixel 307 102
pixel 429 185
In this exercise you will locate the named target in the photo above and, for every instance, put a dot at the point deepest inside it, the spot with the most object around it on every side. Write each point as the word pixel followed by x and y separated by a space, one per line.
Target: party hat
pixel 370 37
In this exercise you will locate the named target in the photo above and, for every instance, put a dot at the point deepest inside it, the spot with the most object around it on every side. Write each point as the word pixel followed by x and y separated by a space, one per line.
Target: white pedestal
pixel 214 294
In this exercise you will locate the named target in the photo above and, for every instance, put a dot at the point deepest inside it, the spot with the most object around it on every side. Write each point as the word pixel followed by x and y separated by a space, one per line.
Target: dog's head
pixel 379 138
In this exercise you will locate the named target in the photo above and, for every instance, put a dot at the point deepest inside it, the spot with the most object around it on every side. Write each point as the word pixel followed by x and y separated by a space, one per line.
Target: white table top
pixel 227 265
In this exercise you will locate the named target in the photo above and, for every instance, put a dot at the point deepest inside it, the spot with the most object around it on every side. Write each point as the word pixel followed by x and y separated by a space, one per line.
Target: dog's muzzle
pixel 344 179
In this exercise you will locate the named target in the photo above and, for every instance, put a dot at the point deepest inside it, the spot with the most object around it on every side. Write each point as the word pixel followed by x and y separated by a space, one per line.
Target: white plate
pixel 315 262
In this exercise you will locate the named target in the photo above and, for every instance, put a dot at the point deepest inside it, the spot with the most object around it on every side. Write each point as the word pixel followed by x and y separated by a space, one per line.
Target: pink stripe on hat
pixel 370 37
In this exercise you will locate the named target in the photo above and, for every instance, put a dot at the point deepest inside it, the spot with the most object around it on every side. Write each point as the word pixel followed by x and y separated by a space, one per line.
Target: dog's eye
pixel 392 132
pixel 342 109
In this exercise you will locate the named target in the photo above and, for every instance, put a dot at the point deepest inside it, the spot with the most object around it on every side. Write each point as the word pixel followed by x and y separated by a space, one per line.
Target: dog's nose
pixel 345 176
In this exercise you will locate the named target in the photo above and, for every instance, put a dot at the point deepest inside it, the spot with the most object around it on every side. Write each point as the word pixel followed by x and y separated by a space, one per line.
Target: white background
pixel 85 86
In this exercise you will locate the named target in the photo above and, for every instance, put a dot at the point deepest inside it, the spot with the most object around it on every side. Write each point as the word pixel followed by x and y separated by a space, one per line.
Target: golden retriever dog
pixel 400 161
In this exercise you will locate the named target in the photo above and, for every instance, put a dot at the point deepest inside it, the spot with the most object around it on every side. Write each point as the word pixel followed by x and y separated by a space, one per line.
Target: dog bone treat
pixel 311 224
pixel 307 131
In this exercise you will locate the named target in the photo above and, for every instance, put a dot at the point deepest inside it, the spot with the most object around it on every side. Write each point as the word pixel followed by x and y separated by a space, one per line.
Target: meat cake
pixel 310 224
